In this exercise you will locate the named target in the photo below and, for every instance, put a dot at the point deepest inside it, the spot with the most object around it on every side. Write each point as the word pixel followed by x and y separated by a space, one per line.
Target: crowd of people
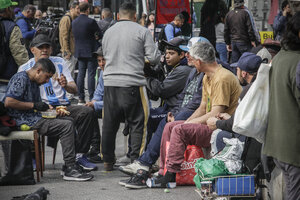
pixel 199 83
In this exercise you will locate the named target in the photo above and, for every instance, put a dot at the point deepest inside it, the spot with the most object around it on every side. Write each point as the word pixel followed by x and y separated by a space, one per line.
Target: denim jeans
pixel 83 65
pixel 225 134
pixel 238 48
pixel 150 156
pixel 3 88
pixel 222 50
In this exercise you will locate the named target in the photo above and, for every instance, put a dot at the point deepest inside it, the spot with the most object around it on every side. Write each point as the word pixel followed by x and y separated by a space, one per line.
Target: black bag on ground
pixel 20 171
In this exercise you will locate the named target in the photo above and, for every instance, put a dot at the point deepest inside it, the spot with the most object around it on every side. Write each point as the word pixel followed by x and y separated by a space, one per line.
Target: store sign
pixel 168 9
pixel 265 34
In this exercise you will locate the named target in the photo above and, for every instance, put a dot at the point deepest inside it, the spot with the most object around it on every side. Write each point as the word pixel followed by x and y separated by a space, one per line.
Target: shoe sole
pixel 150 183
pixel 67 178
pixel 122 183
pixel 88 169
pixel 135 186
pixel 127 172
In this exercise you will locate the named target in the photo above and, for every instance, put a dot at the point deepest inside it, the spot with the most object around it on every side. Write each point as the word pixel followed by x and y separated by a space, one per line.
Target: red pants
pixel 180 135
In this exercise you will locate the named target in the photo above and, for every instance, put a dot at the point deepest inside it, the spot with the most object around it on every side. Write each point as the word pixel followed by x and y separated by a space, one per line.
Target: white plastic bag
pixel 251 115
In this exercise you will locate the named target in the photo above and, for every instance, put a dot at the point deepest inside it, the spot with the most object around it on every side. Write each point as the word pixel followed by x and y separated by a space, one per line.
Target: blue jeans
pixel 3 88
pixel 83 64
pixel 150 156
pixel 222 50
pixel 156 115
pixel 238 48
pixel 225 134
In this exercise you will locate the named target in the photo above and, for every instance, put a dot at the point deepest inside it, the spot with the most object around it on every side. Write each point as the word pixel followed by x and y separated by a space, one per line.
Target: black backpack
pixel 162 36
pixel 3 50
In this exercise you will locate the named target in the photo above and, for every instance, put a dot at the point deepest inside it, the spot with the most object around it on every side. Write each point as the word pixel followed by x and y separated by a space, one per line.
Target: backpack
pixel 162 36
pixel 3 50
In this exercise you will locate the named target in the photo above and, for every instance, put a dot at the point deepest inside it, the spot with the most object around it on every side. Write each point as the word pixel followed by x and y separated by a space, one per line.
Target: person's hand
pixel 40 106
pixel 60 113
pixel 90 104
pixel 170 117
pixel 62 81
pixel 211 123
pixel 223 116
pixel 253 44
pixel 228 47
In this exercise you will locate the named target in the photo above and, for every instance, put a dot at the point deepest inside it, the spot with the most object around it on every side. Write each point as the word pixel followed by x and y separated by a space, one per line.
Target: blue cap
pixel 191 42
pixel 249 62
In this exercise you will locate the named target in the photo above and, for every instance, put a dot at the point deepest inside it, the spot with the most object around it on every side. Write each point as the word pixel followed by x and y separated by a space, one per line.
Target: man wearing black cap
pixel 54 94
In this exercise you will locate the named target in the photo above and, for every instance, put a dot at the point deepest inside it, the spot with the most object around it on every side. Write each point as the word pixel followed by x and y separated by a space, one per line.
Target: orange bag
pixel 187 173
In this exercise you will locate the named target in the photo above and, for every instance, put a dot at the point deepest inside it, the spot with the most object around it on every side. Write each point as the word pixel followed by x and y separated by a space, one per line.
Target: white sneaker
pixel 123 161
pixel 132 168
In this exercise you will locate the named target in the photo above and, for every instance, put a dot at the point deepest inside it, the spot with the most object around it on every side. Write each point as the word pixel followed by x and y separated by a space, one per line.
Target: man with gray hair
pixel 220 93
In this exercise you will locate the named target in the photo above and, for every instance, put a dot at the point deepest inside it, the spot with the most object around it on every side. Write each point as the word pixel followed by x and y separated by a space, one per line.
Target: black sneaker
pixel 75 173
pixel 166 181
pixel 138 180
pixel 126 181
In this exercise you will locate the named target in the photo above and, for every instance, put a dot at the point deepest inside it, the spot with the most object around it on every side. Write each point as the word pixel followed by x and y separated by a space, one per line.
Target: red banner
pixel 168 9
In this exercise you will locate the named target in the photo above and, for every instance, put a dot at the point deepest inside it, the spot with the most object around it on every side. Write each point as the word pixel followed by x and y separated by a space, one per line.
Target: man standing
pixel 106 20
pixel 85 31
pixel 281 20
pixel 24 21
pixel 66 39
pixel 13 51
pixel 24 104
pixel 54 93
pixel 283 132
pixel 124 82
pixel 238 31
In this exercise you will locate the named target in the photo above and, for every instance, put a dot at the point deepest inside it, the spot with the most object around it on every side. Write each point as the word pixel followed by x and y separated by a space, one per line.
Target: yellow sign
pixel 265 34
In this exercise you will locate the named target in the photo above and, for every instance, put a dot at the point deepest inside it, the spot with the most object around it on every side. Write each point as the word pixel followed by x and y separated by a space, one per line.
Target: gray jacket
pixel 125 47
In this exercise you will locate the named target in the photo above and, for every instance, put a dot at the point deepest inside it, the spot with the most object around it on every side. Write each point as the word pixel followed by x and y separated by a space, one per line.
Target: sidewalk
pixel 104 186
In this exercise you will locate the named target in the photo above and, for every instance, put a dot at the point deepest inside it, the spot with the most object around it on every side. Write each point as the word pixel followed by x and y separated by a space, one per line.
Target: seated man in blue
pixel 173 29
pixel 24 104
pixel 97 105
pixel 54 93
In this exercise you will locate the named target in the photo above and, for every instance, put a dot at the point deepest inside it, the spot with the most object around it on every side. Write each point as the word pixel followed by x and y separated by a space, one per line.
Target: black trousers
pixel 129 104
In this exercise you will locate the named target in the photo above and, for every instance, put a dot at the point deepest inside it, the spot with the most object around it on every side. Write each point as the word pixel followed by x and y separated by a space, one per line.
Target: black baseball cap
pixel 175 42
pixel 39 40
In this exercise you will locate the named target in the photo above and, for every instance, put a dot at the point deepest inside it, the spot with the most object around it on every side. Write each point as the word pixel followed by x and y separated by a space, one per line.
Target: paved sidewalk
pixel 104 186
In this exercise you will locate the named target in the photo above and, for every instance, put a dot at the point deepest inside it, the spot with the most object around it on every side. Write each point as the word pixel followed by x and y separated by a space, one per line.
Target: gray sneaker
pixel 132 168
pixel 123 161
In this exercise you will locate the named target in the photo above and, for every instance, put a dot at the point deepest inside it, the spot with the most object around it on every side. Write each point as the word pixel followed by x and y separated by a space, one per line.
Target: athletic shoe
pixel 132 168
pixel 81 102
pixel 95 158
pixel 167 181
pixel 74 173
pixel 124 182
pixel 123 161
pixel 138 180
pixel 85 164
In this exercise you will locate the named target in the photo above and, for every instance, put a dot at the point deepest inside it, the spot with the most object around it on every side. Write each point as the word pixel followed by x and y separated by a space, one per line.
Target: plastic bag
pixel 231 154
pixel 251 114
pixel 187 172
pixel 207 169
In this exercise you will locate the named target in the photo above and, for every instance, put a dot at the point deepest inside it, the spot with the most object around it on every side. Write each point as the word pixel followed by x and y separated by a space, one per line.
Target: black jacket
pixel 238 27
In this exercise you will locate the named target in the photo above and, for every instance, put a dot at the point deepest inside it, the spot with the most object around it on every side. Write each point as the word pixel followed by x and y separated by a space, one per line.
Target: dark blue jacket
pixel 194 103
pixel 84 29
pixel 25 27
pixel 11 67
pixel 279 24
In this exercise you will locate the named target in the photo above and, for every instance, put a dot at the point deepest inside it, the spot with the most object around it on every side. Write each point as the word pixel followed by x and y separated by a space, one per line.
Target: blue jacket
pixel 194 103
pixel 11 67
pixel 25 27
pixel 279 25
pixel 98 94
pixel 84 29
pixel 169 31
